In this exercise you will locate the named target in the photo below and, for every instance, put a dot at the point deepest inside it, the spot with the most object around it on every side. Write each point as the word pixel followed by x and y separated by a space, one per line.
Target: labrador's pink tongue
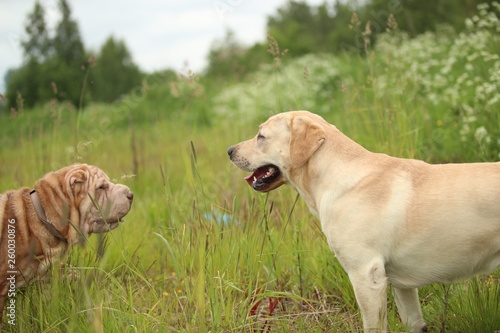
pixel 259 173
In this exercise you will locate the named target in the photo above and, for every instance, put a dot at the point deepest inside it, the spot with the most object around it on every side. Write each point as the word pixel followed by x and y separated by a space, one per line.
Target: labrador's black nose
pixel 230 150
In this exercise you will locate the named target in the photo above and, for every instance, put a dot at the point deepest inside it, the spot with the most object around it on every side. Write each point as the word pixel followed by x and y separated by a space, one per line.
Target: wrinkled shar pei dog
pixel 37 226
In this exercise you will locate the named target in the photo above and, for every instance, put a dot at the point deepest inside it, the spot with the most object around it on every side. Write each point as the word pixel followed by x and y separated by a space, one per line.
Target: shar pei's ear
pixel 61 193
pixel 76 180
pixel 77 176
pixel 306 138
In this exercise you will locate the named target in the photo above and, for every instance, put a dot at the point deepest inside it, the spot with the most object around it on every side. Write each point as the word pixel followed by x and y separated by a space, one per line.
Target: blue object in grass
pixel 219 217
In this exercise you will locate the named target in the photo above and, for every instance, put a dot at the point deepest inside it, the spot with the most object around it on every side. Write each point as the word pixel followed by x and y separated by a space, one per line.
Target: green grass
pixel 175 264
pixel 200 251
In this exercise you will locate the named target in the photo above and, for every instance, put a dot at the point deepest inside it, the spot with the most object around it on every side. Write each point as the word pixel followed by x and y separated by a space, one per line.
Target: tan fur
pixel 390 221
pixel 65 196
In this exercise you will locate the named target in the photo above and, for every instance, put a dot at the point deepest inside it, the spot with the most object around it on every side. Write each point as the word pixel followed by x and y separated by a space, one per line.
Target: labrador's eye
pixel 260 137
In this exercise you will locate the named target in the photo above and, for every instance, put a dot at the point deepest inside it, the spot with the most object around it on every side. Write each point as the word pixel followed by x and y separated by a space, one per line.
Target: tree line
pixel 57 67
pixel 335 27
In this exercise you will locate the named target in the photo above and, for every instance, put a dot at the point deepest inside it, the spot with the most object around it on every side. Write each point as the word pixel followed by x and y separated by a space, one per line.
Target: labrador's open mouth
pixel 262 178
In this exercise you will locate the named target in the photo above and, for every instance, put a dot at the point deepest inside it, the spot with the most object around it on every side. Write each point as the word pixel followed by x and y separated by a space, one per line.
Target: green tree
pixel 293 26
pixel 25 81
pixel 416 17
pixel 229 59
pixel 52 67
pixel 303 29
pixel 36 45
pixel 66 68
pixel 67 42
pixel 115 72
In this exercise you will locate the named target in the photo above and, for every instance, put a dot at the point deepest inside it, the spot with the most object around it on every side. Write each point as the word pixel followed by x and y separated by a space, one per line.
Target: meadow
pixel 200 251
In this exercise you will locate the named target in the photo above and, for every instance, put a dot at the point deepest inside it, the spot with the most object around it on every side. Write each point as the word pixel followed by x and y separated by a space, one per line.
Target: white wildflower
pixel 481 134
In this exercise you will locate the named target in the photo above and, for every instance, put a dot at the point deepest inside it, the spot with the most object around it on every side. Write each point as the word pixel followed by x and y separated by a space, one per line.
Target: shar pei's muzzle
pixel 38 225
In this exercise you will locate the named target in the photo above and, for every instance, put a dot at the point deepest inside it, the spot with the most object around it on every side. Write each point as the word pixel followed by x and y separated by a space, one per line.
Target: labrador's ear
pixel 306 138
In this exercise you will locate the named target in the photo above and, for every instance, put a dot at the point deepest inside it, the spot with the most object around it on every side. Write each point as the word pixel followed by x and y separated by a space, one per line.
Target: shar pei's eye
pixel 103 186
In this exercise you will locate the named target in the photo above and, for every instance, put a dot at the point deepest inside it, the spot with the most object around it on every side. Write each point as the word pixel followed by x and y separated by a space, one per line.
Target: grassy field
pixel 200 251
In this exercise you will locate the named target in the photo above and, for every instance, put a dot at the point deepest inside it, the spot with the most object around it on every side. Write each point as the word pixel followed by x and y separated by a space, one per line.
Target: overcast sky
pixel 160 34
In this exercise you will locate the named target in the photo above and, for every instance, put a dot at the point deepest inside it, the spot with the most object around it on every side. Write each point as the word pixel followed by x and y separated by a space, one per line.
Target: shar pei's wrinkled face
pixel 85 193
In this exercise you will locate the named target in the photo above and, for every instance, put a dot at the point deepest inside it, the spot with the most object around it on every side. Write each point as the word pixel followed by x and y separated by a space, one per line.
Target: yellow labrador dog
pixel 389 220
pixel 38 226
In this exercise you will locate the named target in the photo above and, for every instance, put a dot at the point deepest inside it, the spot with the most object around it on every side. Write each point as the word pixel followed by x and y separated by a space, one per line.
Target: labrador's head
pixel 285 142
